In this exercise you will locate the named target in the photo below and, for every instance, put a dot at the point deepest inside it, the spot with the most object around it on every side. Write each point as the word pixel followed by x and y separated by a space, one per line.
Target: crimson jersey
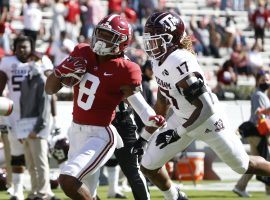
pixel 98 93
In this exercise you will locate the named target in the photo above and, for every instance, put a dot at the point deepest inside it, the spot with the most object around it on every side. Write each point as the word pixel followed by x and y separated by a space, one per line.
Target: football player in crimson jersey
pixel 101 78
pixel 196 110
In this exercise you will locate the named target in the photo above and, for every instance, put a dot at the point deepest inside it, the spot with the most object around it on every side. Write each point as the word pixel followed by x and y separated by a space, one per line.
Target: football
pixel 6 106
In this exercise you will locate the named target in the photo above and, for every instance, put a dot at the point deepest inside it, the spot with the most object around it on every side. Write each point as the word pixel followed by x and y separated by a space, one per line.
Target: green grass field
pixel 157 195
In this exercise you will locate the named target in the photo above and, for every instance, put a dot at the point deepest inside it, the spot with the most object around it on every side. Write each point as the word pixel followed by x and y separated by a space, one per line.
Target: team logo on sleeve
pixel 219 125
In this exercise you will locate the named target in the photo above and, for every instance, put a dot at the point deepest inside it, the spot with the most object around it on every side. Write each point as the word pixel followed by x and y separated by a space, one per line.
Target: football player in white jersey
pixel 13 70
pixel 197 113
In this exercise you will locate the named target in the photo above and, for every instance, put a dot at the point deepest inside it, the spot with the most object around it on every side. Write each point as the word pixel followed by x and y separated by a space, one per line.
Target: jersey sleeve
pixel 182 64
pixel 133 74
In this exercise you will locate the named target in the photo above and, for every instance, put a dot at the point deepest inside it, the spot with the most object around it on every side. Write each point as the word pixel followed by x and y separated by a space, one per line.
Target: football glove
pixel 167 137
pixel 71 67
pixel 157 121
pixel 138 147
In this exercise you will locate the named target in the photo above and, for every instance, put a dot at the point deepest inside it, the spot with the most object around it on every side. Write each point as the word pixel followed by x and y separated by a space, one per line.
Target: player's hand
pixel 157 121
pixel 33 135
pixel 259 111
pixel 138 147
pixel 3 129
pixel 167 137
pixel 70 67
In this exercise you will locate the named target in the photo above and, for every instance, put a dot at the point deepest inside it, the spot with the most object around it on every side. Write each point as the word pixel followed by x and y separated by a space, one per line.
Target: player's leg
pixel 91 181
pixel 113 171
pixel 90 148
pixel 31 168
pixel 128 161
pixel 228 146
pixel 17 165
pixel 4 136
pixel 259 166
pixel 154 158
pixel 130 167
pixel 240 187
pixel 74 188
pixel 41 164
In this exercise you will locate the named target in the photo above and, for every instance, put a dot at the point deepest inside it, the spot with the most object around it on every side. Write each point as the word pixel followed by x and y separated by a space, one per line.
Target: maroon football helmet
pixel 111 36
pixel 60 150
pixel 162 31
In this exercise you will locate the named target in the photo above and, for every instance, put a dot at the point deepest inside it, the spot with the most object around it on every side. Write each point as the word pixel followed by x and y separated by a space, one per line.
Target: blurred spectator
pixel 223 4
pixel 239 58
pixel 201 33
pixel 148 7
pixel 258 143
pixel 130 15
pixel 239 39
pixel 197 46
pixel 226 79
pixel 58 21
pixel 226 74
pixel 255 60
pixel 215 39
pixel 73 19
pixel 4 9
pixel 214 3
pixel 259 21
pixel 114 6
pixel 230 30
pixel 239 5
pixel 32 19
pixel 91 14
pixel 61 48
pixel 4 41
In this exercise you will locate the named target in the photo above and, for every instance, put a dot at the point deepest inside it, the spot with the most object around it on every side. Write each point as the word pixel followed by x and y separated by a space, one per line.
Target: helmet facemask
pixel 106 41
pixel 156 45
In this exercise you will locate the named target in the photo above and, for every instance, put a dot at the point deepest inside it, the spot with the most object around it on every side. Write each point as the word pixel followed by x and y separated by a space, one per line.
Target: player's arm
pixel 142 108
pixel 71 70
pixel 161 107
pixel 53 84
pixel 3 81
pixel 146 113
pixel 192 87
pixel 195 91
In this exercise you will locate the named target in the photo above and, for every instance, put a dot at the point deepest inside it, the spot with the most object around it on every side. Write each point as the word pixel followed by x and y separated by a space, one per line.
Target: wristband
pixel 145 135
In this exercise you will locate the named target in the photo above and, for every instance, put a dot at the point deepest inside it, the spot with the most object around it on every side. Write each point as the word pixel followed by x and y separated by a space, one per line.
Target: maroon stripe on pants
pixel 101 155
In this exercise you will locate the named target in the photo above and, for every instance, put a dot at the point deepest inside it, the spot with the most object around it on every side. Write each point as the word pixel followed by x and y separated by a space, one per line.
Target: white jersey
pixel 177 66
pixel 214 131
pixel 16 71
